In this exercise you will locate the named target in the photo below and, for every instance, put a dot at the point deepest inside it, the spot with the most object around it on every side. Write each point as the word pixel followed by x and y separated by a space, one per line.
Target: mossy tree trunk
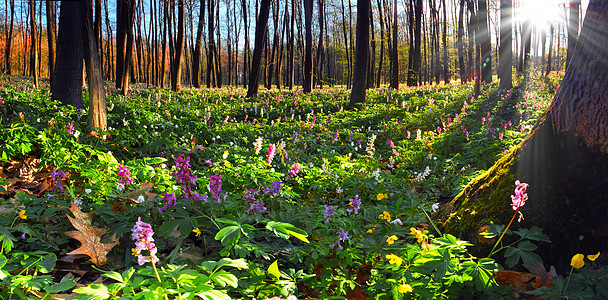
pixel 564 159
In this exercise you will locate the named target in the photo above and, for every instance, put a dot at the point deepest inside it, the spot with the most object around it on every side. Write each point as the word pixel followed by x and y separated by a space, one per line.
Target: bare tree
pixel 260 40
pixel 357 94
pixel 506 45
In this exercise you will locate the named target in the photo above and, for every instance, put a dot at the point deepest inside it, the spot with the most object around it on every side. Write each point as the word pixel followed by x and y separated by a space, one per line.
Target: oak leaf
pixel 89 236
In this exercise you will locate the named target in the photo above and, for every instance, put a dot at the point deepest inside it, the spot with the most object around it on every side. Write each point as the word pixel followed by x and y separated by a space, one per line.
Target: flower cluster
pixel 394 259
pixel 520 197
pixel 294 170
pixel 169 200
pixel 386 216
pixel 328 213
pixel 215 187
pixel 254 205
pixel 342 237
pixel 275 189
pixel 70 128
pixel 355 203
pixel 391 239
pixel 57 176
pixel 125 175
pixel 578 260
pixel 257 146
pixel 185 179
pixel 271 152
pixel 142 234
pixel 370 145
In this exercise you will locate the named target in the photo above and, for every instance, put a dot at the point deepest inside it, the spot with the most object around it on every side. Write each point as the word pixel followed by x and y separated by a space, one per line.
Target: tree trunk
pixel 97 98
pixel 359 85
pixel 179 48
pixel 460 42
pixel 50 29
pixel 575 6
pixel 320 49
pixel 196 68
pixel 7 50
pixel 563 159
pixel 506 45
pixel 549 56
pixel 211 45
pixel 484 39
pixel 395 53
pixel 69 60
pixel 307 86
pixel 34 44
pixel 260 39
pixel 346 46
pixel 413 77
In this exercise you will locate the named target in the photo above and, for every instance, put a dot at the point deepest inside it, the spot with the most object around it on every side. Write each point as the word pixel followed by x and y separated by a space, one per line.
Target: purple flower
pixel 185 180
pixel 142 234
pixel 257 206
pixel 274 189
pixel 294 170
pixel 342 237
pixel 215 187
pixel 125 175
pixel 57 176
pixel 169 200
pixel 328 213
pixel 355 203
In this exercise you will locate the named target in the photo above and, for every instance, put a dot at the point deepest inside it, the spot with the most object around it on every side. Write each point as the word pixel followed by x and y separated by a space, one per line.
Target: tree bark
pixel 260 39
pixel 460 42
pixel 196 68
pixel 563 159
pixel 413 77
pixel 34 44
pixel 395 53
pixel 484 39
pixel 69 60
pixel 573 20
pixel 51 29
pixel 97 98
pixel 179 48
pixel 359 85
pixel 506 45
pixel 7 50
pixel 307 85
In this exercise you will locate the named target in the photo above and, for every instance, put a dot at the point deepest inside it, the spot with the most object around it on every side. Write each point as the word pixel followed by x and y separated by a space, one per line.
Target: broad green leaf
pixel 47 263
pixel 273 270
pixel 64 285
pixel 229 235
pixel 94 291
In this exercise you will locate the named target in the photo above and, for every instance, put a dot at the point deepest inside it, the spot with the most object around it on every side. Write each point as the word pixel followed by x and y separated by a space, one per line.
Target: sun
pixel 541 13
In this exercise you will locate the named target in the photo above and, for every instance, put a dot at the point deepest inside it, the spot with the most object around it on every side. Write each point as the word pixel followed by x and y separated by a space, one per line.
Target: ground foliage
pixel 285 194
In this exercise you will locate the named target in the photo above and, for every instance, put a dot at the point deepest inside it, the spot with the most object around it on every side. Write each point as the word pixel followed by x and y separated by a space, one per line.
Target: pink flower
pixel 271 152
pixel 520 197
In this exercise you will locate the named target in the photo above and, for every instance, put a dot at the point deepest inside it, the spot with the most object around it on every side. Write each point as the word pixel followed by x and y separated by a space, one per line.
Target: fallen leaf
pixel 89 237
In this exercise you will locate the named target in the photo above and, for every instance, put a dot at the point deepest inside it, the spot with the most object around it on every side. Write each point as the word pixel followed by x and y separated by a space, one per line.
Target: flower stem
pixel 567 282
pixel 156 273
pixel 503 233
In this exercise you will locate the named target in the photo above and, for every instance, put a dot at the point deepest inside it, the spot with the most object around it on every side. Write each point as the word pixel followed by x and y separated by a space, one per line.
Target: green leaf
pixel 64 285
pixel 47 263
pixel 284 230
pixel 273 270
pixel 94 291
pixel 224 278
pixel 229 235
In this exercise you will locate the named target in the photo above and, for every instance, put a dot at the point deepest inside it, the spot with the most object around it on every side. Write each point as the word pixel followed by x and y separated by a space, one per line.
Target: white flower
pixel 78 202
pixel 140 199
pixel 163 166
pixel 339 190
pixel 435 207
pixel 376 174
pixel 76 134
pixel 88 191
pixel 120 187
pixel 396 221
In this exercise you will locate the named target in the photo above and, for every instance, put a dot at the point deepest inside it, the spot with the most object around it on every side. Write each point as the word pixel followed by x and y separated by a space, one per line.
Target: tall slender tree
pixel 307 85
pixel 506 45
pixel 176 72
pixel 70 53
pixel 125 17
pixel 413 76
pixel 33 43
pixel 485 43
pixel 260 40
pixel 97 117
pixel 50 30
pixel 358 91
pixel 395 52
pixel 573 20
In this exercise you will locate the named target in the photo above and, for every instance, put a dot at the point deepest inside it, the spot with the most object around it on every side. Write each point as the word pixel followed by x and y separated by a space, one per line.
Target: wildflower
pixel 125 174
pixel 328 213
pixel 394 259
pixel 418 233
pixel 339 190
pixel 215 187
pixel 370 145
pixel 405 288
pixel 184 179
pixel 391 239
pixel 435 207
pixel 257 206
pixel 386 216
pixel 342 237
pixel 274 189
pixel 88 191
pixel 294 170
pixel 370 230
pixel 225 155
pixel 355 203
pixel 271 152
pixel 257 145
pixel 197 232
pixel 22 215
pixel 397 221
pixel 142 234
pixel 70 128
pixel 381 196
pixel 140 199
pixel 57 176
pixel 593 257
pixel 376 174
pixel 577 261
pixel 120 187
pixel 169 200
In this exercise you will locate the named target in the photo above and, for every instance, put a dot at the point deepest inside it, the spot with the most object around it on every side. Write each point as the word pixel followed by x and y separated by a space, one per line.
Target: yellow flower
pixel 197 232
pixel 593 257
pixel 419 235
pixel 391 239
pixel 225 154
pixel 22 215
pixel 370 231
pixel 405 288
pixel 385 215
pixel 134 252
pixel 381 196
pixel 394 259
pixel 577 261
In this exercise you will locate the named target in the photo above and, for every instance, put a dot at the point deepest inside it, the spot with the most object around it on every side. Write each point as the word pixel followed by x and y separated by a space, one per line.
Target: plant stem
pixel 156 273
pixel 432 223
pixel 503 233
pixel 567 282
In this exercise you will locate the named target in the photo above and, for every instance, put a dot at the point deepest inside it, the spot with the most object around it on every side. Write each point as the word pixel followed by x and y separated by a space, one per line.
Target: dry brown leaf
pixel 89 237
